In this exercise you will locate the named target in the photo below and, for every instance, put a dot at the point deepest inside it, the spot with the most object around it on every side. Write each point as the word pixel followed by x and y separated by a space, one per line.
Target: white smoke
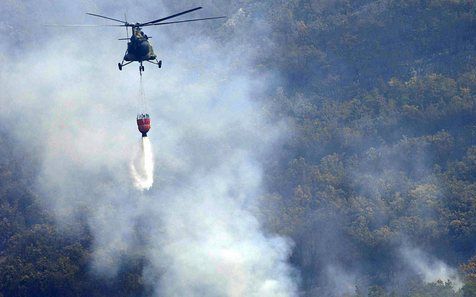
pixel 341 282
pixel 197 231
pixel 142 165
pixel 430 268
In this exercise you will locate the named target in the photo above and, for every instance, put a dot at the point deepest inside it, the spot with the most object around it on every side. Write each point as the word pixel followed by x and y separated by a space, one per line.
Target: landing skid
pixel 157 62
pixel 141 67
pixel 120 65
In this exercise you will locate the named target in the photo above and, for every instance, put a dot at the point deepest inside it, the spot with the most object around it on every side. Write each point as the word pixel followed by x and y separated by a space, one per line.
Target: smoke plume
pixel 430 268
pixel 197 230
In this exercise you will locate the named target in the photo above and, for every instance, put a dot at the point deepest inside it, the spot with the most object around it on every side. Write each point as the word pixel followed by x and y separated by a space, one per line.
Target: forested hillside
pixel 381 94
pixel 375 184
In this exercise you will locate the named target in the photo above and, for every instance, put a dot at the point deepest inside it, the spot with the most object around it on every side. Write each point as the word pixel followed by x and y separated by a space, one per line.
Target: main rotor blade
pixel 127 28
pixel 185 21
pixel 58 25
pixel 105 17
pixel 172 16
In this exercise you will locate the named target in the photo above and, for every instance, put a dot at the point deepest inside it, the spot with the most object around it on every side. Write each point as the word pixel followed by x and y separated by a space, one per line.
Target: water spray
pixel 142 166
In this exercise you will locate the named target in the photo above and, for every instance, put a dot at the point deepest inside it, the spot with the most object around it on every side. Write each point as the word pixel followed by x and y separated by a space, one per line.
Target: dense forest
pixel 379 168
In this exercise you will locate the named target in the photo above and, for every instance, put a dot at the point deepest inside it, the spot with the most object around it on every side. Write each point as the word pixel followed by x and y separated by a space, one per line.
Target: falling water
pixel 142 166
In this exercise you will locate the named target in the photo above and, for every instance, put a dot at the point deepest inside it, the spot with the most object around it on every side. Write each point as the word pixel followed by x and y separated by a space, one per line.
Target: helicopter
pixel 139 48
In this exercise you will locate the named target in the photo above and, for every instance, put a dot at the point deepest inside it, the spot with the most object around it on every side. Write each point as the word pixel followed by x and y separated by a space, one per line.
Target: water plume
pixel 142 166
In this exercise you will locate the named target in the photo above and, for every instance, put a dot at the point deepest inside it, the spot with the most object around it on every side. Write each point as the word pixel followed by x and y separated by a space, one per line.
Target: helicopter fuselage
pixel 139 48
